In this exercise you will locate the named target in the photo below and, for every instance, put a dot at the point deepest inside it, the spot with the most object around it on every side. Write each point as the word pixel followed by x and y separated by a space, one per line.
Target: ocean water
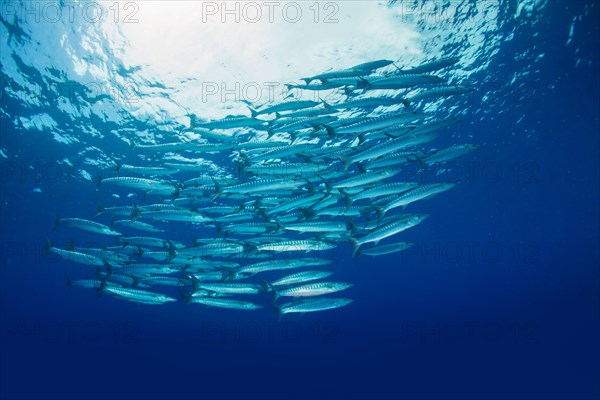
pixel 497 298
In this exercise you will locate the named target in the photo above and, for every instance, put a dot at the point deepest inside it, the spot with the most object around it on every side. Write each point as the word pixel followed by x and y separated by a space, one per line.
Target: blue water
pixel 499 298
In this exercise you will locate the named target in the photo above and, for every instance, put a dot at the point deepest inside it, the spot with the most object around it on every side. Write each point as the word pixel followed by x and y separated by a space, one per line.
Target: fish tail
pixel 56 222
pixel 99 180
pixel 306 80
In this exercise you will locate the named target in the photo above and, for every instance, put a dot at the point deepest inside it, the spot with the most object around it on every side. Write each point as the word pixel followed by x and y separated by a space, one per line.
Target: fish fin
pixel 380 212
pixel 109 268
pixel 347 197
pixel 267 287
pixel 330 131
pixel 366 83
pixel 280 226
pixel 135 212
pixel 326 105
pixel 100 209
pixel 278 312
pixel 328 186
pixel 277 115
pixel 361 138
pixel 355 246
pixel 186 296
pixel 172 251
pixel 253 112
pixel 344 160
pixel 218 190
pixel 350 225
pixel 117 166
pixel 101 288
pixel 308 213
pixel 307 80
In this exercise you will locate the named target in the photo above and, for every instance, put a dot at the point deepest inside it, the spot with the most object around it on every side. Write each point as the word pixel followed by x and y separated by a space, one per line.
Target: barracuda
pixel 419 193
pixel 387 147
pixel 138 295
pixel 313 289
pixel 386 231
pixel 301 277
pixel 138 225
pixel 400 81
pixel 295 245
pixel 450 153
pixel 137 183
pixel 312 305
pixel 385 249
pixel 226 303
pixel 315 227
pixel 365 179
pixel 285 106
pixel 276 265
pixel 86 225
pixel 375 123
pixel 384 190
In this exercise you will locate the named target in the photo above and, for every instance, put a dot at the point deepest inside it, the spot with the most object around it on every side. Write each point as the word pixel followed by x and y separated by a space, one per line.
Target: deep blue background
pixel 524 326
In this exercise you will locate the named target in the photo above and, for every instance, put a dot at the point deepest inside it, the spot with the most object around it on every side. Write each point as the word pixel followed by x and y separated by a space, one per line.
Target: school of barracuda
pixel 304 177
